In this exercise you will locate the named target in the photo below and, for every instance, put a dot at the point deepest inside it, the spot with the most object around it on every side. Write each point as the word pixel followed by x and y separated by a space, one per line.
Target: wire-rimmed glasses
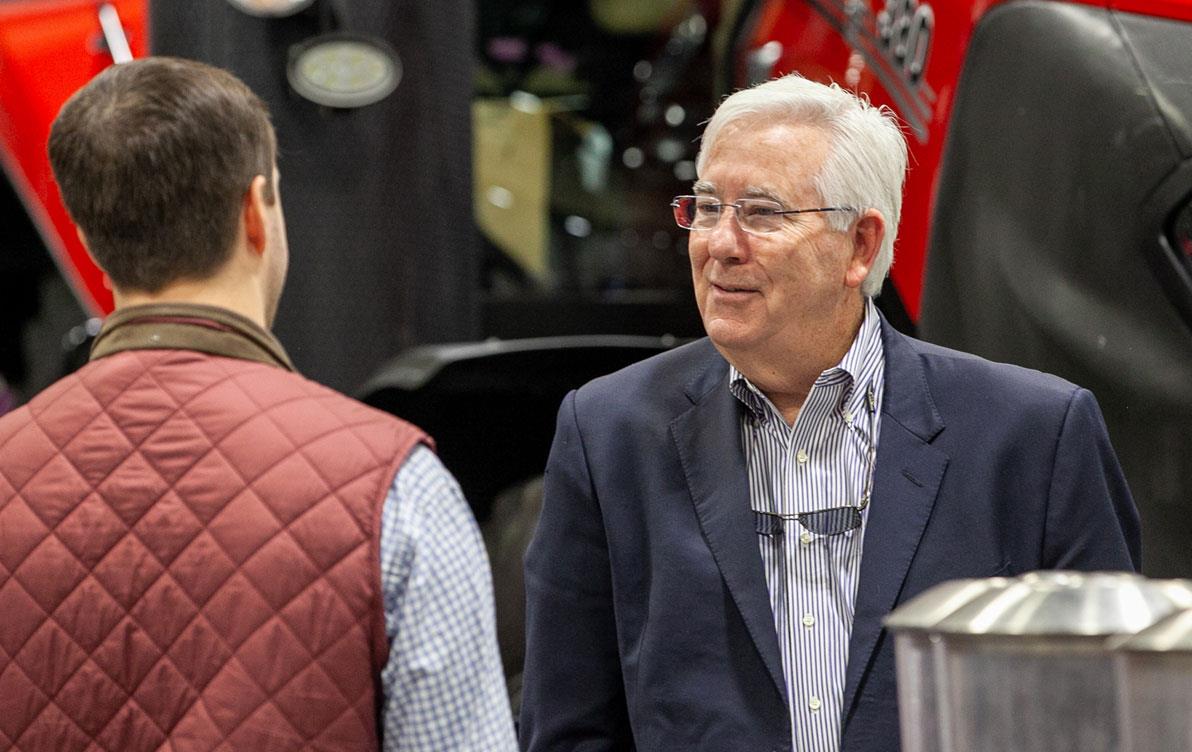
pixel 759 216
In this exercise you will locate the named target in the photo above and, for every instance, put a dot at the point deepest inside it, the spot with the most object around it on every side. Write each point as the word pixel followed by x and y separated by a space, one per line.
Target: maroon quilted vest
pixel 189 559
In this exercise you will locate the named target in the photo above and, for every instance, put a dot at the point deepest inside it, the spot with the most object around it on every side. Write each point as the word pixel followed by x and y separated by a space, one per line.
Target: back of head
pixel 153 158
pixel 866 163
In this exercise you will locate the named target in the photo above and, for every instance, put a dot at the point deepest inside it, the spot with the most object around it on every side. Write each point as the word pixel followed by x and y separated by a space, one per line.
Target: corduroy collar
pixel 188 326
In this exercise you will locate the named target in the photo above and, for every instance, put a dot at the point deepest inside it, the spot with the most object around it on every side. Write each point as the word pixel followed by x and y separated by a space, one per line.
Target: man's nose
pixel 726 241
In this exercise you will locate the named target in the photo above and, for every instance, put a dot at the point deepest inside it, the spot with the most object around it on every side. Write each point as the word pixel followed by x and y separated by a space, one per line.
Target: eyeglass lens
pixel 832 521
pixel 703 213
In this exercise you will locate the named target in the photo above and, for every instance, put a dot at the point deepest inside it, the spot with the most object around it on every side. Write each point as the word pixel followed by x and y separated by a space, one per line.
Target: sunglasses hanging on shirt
pixel 834 520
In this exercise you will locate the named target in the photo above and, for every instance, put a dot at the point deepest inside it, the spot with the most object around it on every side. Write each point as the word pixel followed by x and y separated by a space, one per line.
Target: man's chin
pixel 730 335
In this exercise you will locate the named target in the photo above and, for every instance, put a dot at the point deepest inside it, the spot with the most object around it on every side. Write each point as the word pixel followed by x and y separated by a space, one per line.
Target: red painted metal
pixel 1180 10
pixel 48 49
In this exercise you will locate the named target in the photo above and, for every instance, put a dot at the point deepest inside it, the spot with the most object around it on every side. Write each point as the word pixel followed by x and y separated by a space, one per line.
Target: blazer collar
pixel 707 437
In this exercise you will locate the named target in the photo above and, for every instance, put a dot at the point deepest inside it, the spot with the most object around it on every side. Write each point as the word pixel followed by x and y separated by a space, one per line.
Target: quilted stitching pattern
pixel 187 559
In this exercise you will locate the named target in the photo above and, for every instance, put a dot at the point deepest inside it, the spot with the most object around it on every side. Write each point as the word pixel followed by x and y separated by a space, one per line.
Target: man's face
pixel 278 258
pixel 761 295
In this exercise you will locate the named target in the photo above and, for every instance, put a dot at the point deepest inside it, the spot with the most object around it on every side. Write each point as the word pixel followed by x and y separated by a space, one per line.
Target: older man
pixel 725 525
pixel 199 548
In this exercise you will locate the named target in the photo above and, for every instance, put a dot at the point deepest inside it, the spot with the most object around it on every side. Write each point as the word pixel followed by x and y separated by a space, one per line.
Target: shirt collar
pixel 861 365
pixel 188 326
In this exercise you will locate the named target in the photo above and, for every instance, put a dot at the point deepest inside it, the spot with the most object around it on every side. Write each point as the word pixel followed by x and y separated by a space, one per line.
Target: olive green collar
pixel 188 326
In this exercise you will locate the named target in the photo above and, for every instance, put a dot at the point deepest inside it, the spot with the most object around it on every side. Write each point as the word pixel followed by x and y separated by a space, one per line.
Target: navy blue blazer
pixel 648 618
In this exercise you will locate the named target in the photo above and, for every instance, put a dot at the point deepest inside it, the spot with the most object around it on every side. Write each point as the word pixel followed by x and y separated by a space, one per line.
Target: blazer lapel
pixel 907 478
pixel 708 438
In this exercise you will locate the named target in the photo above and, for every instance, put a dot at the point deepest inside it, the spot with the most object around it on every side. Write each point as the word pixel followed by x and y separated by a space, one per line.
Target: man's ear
pixel 866 235
pixel 107 281
pixel 253 215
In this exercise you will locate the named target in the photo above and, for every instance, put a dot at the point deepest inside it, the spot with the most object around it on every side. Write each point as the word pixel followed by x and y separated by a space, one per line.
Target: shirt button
pixel 808 620
pixel 848 417
pixel 801 457
pixel 814 703
pixel 805 538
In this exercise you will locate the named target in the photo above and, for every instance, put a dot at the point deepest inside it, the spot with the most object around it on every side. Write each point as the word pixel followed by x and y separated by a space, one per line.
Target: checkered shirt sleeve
pixel 443 685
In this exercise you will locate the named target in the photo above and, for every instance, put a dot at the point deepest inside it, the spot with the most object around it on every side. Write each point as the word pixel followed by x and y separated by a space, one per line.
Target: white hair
pixel 866 161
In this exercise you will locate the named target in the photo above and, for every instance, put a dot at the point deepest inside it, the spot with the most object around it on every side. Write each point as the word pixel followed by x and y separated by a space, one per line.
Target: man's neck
pixel 787 374
pixel 241 299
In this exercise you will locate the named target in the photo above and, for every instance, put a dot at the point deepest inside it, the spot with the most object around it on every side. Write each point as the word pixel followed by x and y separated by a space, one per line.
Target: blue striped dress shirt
pixel 443 687
pixel 824 460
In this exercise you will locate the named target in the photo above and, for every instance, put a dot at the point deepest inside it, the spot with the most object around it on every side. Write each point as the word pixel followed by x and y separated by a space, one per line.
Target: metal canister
pixel 1027 666
pixel 1154 671
pixel 914 655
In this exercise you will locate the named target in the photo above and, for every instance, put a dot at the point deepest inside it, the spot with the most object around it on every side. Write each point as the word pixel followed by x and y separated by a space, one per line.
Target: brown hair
pixel 153 158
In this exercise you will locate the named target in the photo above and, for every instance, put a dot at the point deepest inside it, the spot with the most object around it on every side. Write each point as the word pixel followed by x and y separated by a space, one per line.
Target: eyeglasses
pixel 834 520
pixel 756 215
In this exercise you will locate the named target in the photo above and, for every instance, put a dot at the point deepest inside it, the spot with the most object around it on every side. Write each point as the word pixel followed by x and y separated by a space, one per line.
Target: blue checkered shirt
pixel 443 685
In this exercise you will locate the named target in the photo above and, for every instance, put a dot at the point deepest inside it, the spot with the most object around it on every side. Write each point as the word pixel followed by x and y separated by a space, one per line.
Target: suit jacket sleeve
pixel 1092 522
pixel 573 697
